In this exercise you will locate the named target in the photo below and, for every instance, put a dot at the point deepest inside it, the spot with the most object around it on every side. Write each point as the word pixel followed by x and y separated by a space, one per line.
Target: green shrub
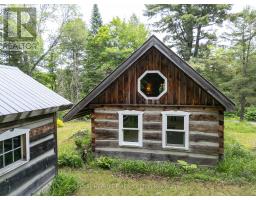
pixel 230 114
pixel 63 185
pixel 250 113
pixel 82 140
pixel 60 123
pixel 133 166
pixel 70 160
pixel 165 169
pixel 104 162
pixel 147 167
pixel 236 151
pixel 238 163
pixel 186 166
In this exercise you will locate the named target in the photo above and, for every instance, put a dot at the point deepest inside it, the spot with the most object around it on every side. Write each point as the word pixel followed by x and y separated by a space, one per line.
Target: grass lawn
pixel 65 133
pixel 242 132
pixel 95 181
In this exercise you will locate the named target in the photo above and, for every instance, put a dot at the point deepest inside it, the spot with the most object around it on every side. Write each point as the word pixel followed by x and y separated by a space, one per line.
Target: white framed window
pixel 175 130
pixel 14 149
pixel 130 128
pixel 152 84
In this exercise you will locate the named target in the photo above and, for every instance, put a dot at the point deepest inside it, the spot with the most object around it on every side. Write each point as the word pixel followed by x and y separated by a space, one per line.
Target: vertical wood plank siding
pixel 181 88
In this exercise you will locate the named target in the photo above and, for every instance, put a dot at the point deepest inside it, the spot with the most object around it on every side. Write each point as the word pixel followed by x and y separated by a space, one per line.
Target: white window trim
pixel 151 72
pixel 11 134
pixel 121 135
pixel 186 128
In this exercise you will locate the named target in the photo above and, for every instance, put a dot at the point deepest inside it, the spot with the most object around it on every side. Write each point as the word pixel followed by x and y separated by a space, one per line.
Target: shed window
pixel 14 149
pixel 175 130
pixel 152 84
pixel 130 128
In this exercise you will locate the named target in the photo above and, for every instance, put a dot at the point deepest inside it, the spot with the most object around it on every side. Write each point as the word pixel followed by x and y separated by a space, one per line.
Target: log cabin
pixel 28 132
pixel 155 106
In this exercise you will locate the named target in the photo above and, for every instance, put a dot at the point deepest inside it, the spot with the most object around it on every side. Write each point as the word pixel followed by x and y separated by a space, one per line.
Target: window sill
pixel 130 144
pixel 176 147
pixel 12 167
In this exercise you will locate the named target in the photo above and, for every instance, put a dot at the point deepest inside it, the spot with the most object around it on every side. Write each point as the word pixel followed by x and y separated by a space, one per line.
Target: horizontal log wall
pixel 205 132
pixel 30 177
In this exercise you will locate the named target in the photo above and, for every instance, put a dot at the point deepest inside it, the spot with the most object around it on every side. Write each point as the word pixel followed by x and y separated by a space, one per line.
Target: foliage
pixel 238 163
pixel 82 140
pixel 112 44
pixel 147 167
pixel 31 60
pixel 72 45
pixel 96 21
pixel 60 123
pixel 243 38
pixel 174 179
pixel 63 185
pixel 250 113
pixel 70 160
pixel 186 166
pixel 230 114
pixel 139 166
pixel 217 67
pixel 104 162
pixel 186 25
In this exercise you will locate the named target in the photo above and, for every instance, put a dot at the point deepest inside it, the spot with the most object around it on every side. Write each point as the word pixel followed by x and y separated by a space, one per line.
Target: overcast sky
pixel 112 8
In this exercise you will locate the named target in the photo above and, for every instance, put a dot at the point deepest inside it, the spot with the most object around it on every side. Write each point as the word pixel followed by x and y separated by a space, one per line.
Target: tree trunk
pixel 242 107
pixel 197 40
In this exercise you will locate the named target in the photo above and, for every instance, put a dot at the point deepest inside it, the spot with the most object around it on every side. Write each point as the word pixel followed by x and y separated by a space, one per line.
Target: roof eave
pixel 33 113
pixel 153 41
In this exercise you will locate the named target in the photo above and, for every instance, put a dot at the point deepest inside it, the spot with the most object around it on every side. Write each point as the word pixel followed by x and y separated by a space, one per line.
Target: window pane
pixel 152 85
pixel 131 135
pixel 17 154
pixel 1 147
pixel 175 122
pixel 16 141
pixel 130 121
pixel 177 138
pixel 1 162
pixel 8 158
pixel 7 145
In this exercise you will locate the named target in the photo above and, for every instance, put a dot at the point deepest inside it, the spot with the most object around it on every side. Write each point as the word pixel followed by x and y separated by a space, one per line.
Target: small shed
pixel 28 132
pixel 155 106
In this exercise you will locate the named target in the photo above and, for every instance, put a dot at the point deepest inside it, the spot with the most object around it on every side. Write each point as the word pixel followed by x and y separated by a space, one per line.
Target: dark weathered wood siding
pixel 205 134
pixel 30 177
pixel 182 90
pixel 205 125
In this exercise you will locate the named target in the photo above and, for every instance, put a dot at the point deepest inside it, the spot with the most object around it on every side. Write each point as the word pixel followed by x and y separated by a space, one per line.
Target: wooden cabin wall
pixel 42 167
pixel 205 134
pixel 181 89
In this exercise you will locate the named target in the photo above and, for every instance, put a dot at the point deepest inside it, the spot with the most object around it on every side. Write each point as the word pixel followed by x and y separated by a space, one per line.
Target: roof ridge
pixel 153 41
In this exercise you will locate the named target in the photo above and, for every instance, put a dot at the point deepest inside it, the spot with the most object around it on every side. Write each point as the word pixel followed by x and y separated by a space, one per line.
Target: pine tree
pixel 96 21
pixel 243 41
pixel 186 25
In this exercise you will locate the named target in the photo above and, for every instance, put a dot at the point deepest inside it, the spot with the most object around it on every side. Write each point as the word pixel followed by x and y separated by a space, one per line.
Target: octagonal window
pixel 152 84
